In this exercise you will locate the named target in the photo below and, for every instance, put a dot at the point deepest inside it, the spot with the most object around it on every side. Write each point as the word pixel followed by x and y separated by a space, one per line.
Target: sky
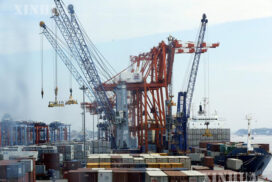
pixel 239 70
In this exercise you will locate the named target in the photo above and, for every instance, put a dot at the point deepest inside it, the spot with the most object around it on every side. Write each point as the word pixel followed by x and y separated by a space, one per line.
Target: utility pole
pixel 84 88
pixel 93 126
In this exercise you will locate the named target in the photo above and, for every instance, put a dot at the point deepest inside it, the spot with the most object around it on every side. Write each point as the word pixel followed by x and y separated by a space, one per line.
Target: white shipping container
pixel 104 175
pixel 156 176
pixel 162 159
pixel 195 176
pixel 234 164
pixel 197 157
pixel 128 160
pixel 186 161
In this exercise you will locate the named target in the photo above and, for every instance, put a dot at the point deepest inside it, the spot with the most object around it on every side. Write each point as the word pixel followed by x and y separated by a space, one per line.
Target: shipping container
pixel 93 165
pixel 165 165
pixel 82 175
pixel 195 176
pixel 40 169
pixel 234 164
pixel 105 164
pixel 176 176
pixel 120 175
pixel 105 176
pixel 71 165
pixel 51 161
pixel 208 161
pixel 156 176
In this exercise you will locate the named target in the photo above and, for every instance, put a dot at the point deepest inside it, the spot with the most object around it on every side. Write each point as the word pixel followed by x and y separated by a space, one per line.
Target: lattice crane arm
pixel 185 98
pixel 76 75
pixel 74 38
pixel 195 65
pixel 89 65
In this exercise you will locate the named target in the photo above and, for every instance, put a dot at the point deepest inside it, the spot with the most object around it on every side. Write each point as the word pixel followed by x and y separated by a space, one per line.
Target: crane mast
pixel 185 98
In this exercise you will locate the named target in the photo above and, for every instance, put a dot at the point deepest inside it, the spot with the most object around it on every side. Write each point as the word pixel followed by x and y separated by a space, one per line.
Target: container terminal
pixel 141 138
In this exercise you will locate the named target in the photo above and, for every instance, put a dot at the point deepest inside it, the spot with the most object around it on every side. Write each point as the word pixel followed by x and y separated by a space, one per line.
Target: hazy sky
pixel 240 69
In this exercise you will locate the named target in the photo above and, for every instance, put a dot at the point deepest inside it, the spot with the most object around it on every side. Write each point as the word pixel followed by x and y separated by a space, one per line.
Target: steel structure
pixel 72 33
pixel 59 132
pixel 65 59
pixel 148 88
pixel 185 98
pixel 149 91
pixel 29 133
pixel 75 39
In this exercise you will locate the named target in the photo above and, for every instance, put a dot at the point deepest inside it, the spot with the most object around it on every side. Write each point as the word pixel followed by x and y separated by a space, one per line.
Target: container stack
pixel 151 175
pixel 67 151
pixel 43 149
pixel 195 136
pixel 137 161
pixel 100 147
pixel 17 170
pixel 79 151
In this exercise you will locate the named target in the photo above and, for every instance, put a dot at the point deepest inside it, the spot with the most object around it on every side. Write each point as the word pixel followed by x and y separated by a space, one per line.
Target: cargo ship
pixel 208 136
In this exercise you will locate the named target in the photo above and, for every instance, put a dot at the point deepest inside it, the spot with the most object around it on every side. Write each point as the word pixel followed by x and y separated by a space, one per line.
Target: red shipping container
pixel 208 161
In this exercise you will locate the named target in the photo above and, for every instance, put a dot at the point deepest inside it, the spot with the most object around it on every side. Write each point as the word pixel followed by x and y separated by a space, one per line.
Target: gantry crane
pixel 185 97
pixel 148 89
pixel 152 75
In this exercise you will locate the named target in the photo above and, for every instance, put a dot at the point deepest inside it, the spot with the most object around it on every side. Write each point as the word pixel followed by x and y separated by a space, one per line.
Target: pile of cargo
pixel 151 175
pixel 79 151
pixel 42 149
pixel 195 136
pixel 137 161
pixel 17 170
pixel 209 153
pixel 100 147
pixel 67 151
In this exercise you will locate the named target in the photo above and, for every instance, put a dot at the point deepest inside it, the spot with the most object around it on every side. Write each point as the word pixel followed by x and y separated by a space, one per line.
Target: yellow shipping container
pixel 92 165
pixel 176 165
pixel 163 154
pixel 105 165
pixel 153 165
pixel 165 165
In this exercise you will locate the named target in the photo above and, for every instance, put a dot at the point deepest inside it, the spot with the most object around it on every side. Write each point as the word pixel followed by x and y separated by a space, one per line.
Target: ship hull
pixel 254 163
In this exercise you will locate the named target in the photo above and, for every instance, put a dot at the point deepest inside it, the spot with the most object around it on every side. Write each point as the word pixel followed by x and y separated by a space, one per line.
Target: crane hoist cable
pixel 71 101
pixel 42 91
pixel 101 66
pixel 56 66
pixel 100 59
pixel 56 103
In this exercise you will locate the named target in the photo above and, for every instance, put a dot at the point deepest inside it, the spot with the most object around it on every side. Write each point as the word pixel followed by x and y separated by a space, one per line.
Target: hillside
pixel 258 131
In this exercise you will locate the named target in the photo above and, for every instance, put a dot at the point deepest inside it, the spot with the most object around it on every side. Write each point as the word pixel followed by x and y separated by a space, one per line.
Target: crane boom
pixel 81 82
pixel 90 66
pixel 194 70
pixel 75 40
pixel 185 98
